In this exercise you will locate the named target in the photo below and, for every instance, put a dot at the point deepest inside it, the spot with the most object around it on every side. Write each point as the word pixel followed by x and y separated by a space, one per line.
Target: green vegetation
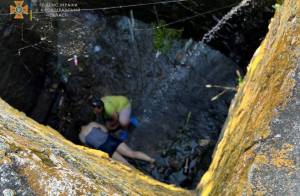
pixel 65 71
pixel 240 78
pixel 163 37
pixel 278 4
pixel 187 121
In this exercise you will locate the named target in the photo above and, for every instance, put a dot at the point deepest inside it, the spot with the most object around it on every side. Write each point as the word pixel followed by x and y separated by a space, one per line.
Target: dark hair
pixel 97 103
pixel 79 123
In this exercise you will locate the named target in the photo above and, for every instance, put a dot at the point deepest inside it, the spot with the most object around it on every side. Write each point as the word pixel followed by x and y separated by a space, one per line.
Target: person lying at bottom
pixel 96 136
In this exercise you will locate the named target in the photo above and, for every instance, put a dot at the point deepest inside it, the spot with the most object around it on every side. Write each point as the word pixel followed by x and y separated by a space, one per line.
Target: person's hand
pixel 115 117
pixel 109 127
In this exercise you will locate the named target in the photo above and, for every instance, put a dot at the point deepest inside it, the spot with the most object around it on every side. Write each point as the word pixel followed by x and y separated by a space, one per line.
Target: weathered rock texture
pixel 37 160
pixel 259 151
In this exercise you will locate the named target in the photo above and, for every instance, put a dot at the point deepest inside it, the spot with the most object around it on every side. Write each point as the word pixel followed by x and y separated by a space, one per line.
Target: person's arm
pixel 102 127
pixel 81 138
pixel 114 121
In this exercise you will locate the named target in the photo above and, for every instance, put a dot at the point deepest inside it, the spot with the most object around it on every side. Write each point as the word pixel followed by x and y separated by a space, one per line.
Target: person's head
pixel 98 106
pixel 79 123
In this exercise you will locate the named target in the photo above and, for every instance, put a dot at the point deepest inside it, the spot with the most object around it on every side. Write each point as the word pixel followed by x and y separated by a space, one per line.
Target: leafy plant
pixel 278 4
pixel 240 78
pixel 65 71
pixel 163 37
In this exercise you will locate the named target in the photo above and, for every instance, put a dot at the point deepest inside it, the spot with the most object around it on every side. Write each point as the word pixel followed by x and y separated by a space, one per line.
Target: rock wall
pixel 163 88
pixel 258 153
pixel 37 160
pixel 115 56
pixel 235 28
pixel 259 149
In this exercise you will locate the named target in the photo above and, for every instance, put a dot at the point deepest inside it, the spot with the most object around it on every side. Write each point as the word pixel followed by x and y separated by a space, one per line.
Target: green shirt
pixel 116 103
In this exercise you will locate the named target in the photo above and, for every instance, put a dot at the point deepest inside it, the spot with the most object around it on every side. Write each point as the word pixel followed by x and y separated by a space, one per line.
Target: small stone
pixel 80 69
pixel 157 54
pixel 51 90
pixel 203 142
pixel 179 56
pixel 9 192
pixel 54 86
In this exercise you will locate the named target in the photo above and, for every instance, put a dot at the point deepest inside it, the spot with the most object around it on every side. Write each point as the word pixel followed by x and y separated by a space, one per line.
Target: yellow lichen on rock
pixel 281 158
pixel 5 160
pixel 255 139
